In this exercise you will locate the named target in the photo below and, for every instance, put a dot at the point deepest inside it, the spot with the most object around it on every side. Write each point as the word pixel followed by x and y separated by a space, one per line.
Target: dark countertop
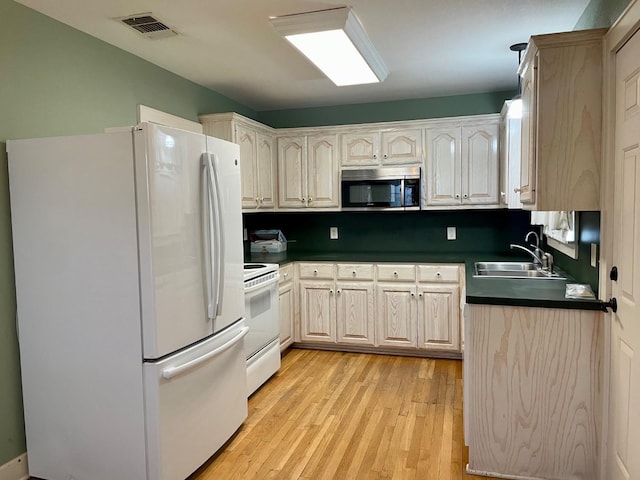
pixel 482 291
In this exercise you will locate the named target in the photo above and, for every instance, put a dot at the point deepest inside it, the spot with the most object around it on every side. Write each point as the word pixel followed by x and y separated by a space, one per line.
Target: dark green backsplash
pixel 581 269
pixel 423 231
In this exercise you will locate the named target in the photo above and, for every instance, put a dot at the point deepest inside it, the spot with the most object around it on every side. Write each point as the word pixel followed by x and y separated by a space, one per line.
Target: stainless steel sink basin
pixel 512 270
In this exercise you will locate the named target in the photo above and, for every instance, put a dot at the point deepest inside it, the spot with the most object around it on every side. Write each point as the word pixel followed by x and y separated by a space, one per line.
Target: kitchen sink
pixel 512 270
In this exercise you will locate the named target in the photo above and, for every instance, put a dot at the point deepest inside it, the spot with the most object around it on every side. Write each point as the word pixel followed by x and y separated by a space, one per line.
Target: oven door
pixel 262 316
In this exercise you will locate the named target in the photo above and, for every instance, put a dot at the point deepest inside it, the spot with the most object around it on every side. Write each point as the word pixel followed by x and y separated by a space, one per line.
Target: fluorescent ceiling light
pixel 335 42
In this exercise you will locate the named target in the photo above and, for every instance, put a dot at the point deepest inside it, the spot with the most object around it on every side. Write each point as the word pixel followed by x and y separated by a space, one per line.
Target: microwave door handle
pixel 215 167
pixel 403 201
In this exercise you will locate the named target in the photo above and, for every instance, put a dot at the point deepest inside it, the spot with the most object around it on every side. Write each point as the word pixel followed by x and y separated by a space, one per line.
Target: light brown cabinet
pixel 561 121
pixel 382 146
pixel 286 302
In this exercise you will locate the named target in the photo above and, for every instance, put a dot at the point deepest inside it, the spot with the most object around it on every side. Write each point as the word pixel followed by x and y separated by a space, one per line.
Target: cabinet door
pixel 265 162
pixel 360 149
pixel 402 147
pixel 480 164
pixel 354 304
pixel 443 177
pixel 286 315
pixel 317 312
pixel 292 172
pixel 322 171
pixel 396 315
pixel 528 140
pixel 439 317
pixel 246 139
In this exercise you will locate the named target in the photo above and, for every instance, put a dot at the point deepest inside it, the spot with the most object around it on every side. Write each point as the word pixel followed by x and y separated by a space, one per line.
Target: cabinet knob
pixel 331 291
pixel 503 194
pixel 413 294
pixel 420 295
pixel 286 274
pixel 517 190
pixel 309 200
pixel 466 195
pixel 457 195
pixel 303 200
pixel 395 274
pixel 315 272
pixel 339 291
pixel 386 156
pixel 438 274
pixel 353 273
pixel 375 156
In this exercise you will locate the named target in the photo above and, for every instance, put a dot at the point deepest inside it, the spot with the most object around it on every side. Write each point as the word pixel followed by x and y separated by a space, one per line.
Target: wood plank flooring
pixel 336 415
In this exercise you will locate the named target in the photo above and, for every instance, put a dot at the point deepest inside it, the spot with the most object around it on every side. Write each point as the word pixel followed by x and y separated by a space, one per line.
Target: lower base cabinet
pixel 286 303
pixel 533 392
pixel 383 306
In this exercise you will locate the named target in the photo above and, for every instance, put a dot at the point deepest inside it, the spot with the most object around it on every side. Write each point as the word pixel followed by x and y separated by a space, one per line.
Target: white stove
pixel 262 313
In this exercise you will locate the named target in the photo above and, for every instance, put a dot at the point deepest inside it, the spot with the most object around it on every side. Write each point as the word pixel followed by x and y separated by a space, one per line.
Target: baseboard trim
pixel 16 469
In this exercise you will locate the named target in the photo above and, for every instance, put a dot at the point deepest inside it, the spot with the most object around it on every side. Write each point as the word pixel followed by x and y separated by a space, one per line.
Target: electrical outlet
pixel 451 233
pixel 333 233
pixel 594 255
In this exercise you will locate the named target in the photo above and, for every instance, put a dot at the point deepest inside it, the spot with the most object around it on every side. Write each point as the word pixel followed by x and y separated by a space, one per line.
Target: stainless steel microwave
pixel 386 188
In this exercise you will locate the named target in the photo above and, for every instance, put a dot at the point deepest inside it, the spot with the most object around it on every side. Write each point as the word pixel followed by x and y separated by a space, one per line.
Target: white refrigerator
pixel 129 283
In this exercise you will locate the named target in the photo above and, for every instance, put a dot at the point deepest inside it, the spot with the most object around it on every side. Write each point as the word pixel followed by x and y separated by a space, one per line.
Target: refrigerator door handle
pixel 177 370
pixel 211 263
pixel 219 234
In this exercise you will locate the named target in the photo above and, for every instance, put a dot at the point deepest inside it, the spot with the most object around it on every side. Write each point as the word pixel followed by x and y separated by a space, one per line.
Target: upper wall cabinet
pixel 257 156
pixel 561 121
pixel 510 135
pixel 381 147
pixel 462 163
pixel 308 171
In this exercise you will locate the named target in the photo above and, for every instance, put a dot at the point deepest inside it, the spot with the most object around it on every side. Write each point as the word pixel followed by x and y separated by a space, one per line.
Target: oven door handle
pixel 260 286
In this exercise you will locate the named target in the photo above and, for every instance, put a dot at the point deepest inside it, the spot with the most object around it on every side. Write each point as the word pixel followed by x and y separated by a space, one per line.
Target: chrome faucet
pixel 540 258
pixel 536 259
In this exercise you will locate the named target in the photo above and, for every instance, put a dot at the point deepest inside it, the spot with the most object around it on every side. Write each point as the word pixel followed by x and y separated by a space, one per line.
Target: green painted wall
pixel 601 14
pixel 452 106
pixel 55 80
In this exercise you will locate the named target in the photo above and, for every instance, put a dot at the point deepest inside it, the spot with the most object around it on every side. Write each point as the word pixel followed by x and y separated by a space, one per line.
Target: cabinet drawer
pixel 316 270
pixel 286 273
pixel 397 272
pixel 355 271
pixel 438 273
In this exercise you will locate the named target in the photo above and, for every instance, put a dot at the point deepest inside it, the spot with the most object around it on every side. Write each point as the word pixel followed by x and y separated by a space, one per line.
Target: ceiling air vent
pixel 148 25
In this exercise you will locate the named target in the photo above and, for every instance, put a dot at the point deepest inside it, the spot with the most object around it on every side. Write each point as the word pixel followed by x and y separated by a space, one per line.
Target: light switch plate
pixel 333 233
pixel 594 255
pixel 451 233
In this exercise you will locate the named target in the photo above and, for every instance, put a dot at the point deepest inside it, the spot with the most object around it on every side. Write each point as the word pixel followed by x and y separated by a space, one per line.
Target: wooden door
pixel 265 162
pixel 624 421
pixel 317 312
pixel 439 317
pixel 322 171
pixel 246 139
pixel 396 315
pixel 443 166
pixel 480 164
pixel 355 313
pixel 292 172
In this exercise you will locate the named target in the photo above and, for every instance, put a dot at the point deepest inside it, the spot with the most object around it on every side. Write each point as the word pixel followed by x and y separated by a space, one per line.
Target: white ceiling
pixel 432 47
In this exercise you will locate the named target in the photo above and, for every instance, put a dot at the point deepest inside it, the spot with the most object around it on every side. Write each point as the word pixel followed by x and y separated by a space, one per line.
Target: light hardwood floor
pixel 335 415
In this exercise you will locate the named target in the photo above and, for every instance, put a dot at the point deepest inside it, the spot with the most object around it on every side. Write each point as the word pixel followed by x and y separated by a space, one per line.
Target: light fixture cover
pixel 335 41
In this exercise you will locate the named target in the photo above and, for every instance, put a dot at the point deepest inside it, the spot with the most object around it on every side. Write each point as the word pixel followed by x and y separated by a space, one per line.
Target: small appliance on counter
pixel 268 241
